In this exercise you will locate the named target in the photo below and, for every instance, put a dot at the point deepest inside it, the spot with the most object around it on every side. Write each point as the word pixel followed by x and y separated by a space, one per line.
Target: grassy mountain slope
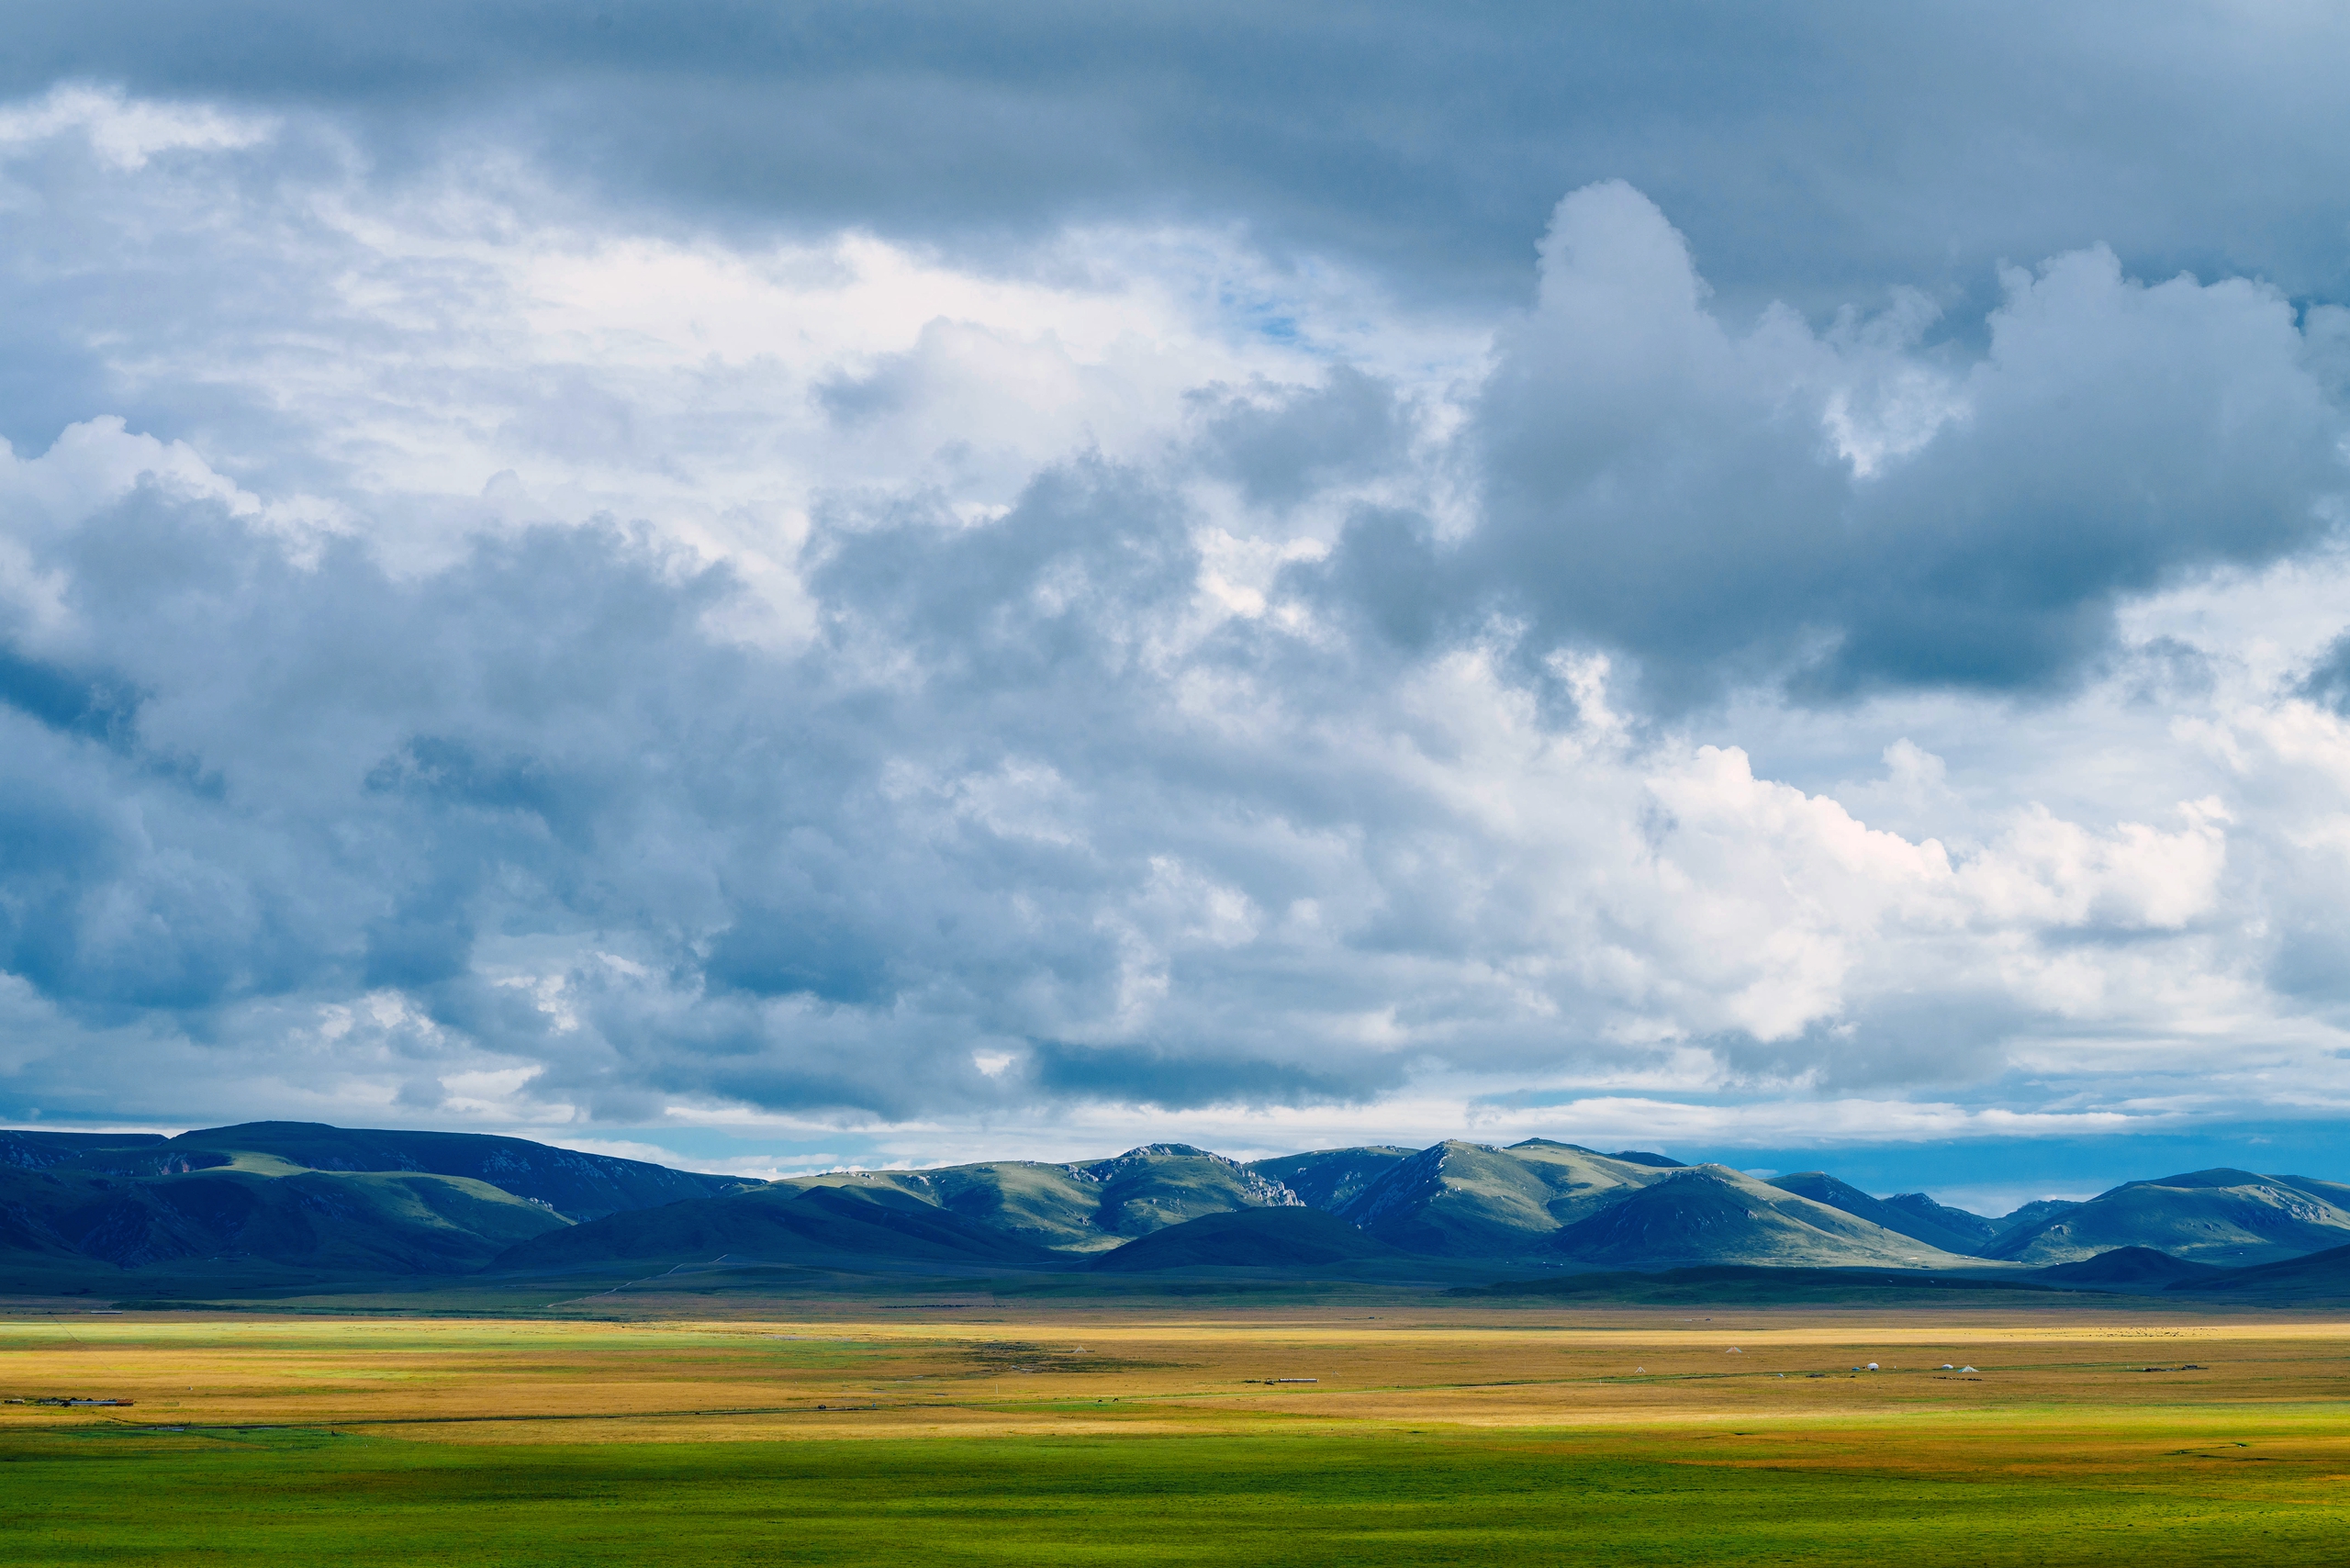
pixel 1258 1238
pixel 1044 1205
pixel 282 1200
pixel 577 1185
pixel 1466 1200
pixel 2318 1277
pixel 319 1202
pixel 2129 1269
pixel 394 1222
pixel 1712 1214
pixel 1976 1230
pixel 31 1150
pixel 1330 1178
pixel 1088 1206
pixel 1901 1219
pixel 2031 1213
pixel 2224 1216
pixel 778 1224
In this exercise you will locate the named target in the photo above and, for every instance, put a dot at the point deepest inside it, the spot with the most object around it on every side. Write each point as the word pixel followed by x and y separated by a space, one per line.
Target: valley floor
pixel 956 1434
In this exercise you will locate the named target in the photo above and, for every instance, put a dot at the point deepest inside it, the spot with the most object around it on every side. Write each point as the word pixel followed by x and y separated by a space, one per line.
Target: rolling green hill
pixel 1332 1178
pixel 577 1185
pixel 32 1151
pixel 2318 1277
pixel 247 1212
pixel 821 1224
pixel 1089 1205
pixel 1467 1200
pixel 281 1201
pixel 2128 1268
pixel 284 1203
pixel 1976 1230
pixel 1712 1214
pixel 1903 1219
pixel 2222 1216
pixel 1253 1238
pixel 2031 1213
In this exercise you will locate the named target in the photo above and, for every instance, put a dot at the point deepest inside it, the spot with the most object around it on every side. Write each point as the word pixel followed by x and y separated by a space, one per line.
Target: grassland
pixel 981 1435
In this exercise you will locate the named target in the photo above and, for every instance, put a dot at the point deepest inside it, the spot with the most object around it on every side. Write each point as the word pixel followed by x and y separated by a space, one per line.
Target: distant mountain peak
pixel 268 1194
pixel 2222 1215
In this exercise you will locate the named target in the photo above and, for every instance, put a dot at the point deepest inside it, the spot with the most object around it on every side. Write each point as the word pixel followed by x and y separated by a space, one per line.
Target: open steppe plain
pixel 989 1432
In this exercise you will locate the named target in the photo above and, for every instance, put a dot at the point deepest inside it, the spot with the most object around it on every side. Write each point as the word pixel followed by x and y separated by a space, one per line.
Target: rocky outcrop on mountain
pixel 1331 1178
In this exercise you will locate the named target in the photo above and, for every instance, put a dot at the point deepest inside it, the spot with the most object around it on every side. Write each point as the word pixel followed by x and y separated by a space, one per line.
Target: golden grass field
pixel 2219 1412
pixel 2041 1385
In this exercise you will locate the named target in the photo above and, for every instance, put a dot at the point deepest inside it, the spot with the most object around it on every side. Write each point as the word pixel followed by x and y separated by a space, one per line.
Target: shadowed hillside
pixel 1900 1219
pixel 262 1199
pixel 1332 1178
pixel 1710 1213
pixel 576 1185
pixel 1976 1230
pixel 778 1224
pixel 278 1203
pixel 1253 1238
pixel 30 1150
pixel 2026 1215
pixel 2320 1277
pixel 372 1223
pixel 2129 1269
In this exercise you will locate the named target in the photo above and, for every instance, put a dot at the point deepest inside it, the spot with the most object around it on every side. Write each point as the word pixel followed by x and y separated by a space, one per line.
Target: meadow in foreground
pixel 1428 1437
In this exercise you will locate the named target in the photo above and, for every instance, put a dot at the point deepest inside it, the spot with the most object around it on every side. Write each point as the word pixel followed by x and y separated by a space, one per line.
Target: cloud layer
pixel 475 651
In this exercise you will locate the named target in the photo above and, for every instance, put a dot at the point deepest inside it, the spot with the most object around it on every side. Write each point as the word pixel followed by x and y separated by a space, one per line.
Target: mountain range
pixel 283 1200
pixel 280 1204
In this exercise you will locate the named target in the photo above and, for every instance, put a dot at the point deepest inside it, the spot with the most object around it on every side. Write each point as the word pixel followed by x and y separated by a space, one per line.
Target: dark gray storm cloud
pixel 1665 487
pixel 1816 152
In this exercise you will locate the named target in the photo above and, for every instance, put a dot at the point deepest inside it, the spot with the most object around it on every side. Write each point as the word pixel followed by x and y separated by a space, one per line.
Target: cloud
pixel 1824 151
pixel 1019 797
pixel 471 652
pixel 1849 511
pixel 123 132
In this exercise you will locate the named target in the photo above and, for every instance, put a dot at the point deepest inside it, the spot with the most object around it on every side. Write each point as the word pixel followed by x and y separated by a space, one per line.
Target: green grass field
pixel 1451 1434
pixel 295 1497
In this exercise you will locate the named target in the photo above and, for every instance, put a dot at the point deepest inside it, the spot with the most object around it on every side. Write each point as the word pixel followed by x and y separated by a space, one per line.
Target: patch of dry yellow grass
pixel 2056 1390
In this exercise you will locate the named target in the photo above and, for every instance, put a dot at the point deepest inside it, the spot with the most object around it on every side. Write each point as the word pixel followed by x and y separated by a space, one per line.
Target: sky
pixel 772 588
